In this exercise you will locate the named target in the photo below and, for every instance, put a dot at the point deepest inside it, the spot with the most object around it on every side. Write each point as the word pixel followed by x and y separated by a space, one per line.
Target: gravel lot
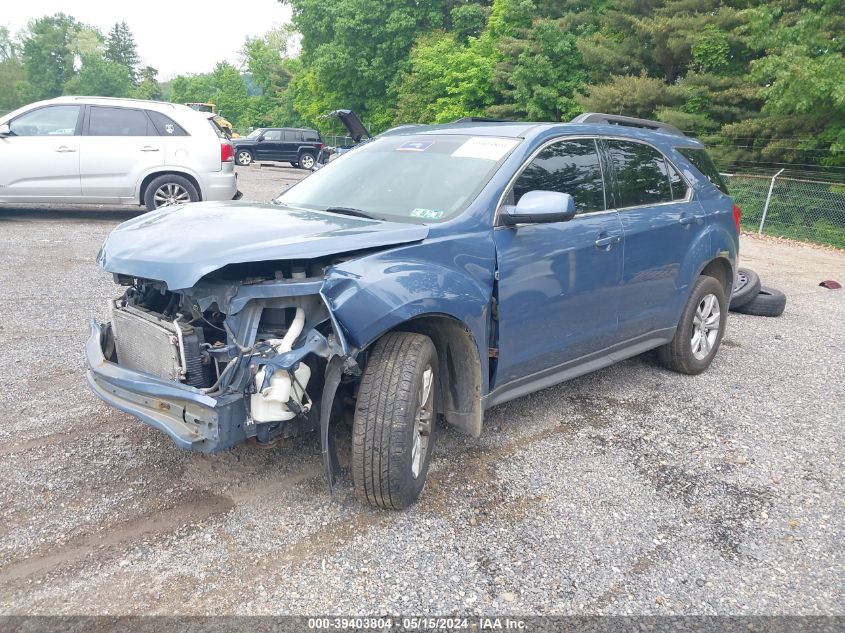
pixel 632 490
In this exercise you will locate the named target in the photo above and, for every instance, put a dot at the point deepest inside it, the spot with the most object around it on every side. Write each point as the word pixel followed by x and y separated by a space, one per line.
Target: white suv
pixel 104 150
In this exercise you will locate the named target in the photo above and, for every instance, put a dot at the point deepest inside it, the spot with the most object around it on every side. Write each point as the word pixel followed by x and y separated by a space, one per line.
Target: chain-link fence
pixel 810 210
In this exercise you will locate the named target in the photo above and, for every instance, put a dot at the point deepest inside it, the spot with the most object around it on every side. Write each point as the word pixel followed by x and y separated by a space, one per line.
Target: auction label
pixel 486 147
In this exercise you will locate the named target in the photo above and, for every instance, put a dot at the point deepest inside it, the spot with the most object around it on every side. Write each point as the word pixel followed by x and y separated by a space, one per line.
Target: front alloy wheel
pixel 423 423
pixel 244 158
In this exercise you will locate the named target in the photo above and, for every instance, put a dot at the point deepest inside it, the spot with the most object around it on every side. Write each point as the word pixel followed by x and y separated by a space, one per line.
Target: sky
pixel 175 36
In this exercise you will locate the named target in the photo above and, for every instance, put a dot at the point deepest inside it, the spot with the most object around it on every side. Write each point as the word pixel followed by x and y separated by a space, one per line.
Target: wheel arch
pixel 459 368
pixel 142 189
pixel 721 269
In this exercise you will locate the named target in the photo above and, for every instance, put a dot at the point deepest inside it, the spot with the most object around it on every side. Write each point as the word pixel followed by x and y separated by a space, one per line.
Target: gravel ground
pixel 629 491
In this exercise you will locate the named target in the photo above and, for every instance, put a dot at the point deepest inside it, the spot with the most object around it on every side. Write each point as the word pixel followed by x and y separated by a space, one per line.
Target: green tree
pixel 149 88
pixel 354 50
pixel 121 49
pixel 100 77
pixel 11 72
pixel 539 74
pixel 47 54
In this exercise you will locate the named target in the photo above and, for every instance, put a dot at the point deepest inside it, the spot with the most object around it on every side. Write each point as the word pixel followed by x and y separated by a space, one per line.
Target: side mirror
pixel 260 138
pixel 5 130
pixel 539 207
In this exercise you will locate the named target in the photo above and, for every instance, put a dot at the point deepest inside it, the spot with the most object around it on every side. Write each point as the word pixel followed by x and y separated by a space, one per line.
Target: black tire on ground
pixel 385 429
pixel 306 160
pixel 244 157
pixel 746 288
pixel 161 188
pixel 679 354
pixel 768 303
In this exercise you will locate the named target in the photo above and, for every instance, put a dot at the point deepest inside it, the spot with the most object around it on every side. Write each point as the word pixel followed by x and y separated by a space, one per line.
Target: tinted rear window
pixel 640 174
pixel 117 122
pixel 704 164
pixel 166 126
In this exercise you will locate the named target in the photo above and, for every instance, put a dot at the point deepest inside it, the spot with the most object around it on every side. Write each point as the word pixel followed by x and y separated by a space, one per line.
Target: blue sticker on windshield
pixel 427 214
pixel 414 146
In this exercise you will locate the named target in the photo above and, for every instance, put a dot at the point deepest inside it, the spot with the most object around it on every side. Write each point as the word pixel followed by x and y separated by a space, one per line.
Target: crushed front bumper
pixel 192 419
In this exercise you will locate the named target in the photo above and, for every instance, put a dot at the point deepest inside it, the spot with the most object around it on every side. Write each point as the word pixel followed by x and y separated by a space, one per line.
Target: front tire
pixel 169 190
pixel 699 331
pixel 394 424
pixel 244 157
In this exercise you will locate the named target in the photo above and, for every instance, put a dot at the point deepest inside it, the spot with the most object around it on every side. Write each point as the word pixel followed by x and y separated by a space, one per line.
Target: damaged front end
pixel 249 351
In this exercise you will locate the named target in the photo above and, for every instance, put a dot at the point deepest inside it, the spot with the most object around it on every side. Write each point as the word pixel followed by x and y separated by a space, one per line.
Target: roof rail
pixel 480 119
pixel 627 121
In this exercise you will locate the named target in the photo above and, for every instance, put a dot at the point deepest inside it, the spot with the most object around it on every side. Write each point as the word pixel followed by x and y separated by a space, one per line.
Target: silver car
pixel 115 151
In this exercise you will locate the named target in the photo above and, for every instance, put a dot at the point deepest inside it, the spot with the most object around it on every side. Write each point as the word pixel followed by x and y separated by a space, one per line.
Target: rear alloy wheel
pixel 306 160
pixel 699 330
pixel 395 415
pixel 244 158
pixel 169 190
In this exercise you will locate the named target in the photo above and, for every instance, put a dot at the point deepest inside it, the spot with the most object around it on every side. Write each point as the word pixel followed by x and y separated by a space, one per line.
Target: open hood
pixel 179 245
pixel 351 122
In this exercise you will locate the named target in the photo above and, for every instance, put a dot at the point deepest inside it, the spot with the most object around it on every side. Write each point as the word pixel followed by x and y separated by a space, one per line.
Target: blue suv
pixel 428 274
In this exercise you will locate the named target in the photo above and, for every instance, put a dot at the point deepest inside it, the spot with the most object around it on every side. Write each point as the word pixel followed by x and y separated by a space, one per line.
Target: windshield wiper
pixel 353 212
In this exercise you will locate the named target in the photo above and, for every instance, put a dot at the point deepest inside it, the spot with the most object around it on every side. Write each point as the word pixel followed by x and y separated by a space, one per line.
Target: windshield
pixel 423 178
pixel 254 133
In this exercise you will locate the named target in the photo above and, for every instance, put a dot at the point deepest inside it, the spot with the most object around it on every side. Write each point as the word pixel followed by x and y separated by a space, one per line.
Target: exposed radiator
pixel 146 342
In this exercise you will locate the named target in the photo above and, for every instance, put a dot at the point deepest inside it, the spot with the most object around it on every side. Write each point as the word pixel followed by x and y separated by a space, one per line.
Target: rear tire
pixel 768 303
pixel 169 190
pixel 699 331
pixel 394 425
pixel 306 160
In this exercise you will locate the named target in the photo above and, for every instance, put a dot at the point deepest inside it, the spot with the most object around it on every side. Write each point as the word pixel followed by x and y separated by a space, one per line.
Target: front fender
pixel 374 294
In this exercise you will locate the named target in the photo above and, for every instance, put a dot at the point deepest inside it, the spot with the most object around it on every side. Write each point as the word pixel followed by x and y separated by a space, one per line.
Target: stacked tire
pixel 751 297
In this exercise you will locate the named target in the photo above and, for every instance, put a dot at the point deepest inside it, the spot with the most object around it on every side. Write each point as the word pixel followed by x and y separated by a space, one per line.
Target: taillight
pixel 227 152
pixel 737 216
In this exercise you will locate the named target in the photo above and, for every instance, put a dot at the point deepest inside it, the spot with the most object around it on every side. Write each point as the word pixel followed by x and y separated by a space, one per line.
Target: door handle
pixel 63 149
pixel 608 241
pixel 149 148
pixel 686 220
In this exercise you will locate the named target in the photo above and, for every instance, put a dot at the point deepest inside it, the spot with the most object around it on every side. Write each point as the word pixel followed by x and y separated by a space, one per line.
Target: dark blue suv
pixel 428 274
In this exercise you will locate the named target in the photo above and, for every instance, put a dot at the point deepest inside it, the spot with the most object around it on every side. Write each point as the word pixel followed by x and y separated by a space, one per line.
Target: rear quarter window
pixel 702 162
pixel 166 126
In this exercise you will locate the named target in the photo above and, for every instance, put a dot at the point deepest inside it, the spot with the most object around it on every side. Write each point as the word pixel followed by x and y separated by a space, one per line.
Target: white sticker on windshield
pixel 486 147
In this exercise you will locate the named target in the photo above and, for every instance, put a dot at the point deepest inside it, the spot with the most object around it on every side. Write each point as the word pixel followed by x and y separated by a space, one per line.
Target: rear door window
pixel 571 167
pixel 104 121
pixel 292 136
pixel 641 173
pixel 679 185
pixel 701 160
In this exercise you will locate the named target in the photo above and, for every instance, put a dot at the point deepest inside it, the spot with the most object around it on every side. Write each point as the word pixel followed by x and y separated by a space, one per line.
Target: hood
pixel 179 245
pixel 352 123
